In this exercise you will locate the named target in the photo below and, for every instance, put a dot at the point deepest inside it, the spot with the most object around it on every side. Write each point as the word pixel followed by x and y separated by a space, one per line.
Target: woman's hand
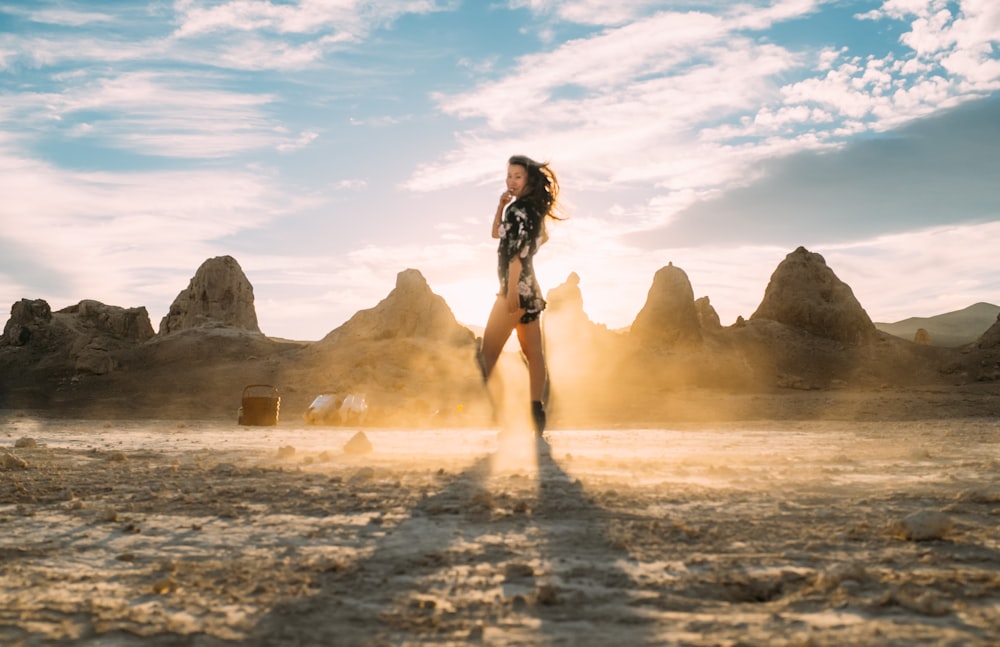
pixel 513 300
pixel 505 197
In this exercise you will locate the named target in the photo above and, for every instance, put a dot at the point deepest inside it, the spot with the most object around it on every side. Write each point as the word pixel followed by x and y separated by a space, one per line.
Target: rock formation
pixel 408 354
pixel 218 295
pixel 669 315
pixel 990 338
pixel 102 330
pixel 27 319
pixel 126 324
pixel 565 323
pixel 566 299
pixel 804 293
pixel 84 337
pixel 922 337
pixel 708 318
pixel 410 310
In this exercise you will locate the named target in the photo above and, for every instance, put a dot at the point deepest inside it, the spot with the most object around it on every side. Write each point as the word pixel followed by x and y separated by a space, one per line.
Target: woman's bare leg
pixel 498 328
pixel 529 335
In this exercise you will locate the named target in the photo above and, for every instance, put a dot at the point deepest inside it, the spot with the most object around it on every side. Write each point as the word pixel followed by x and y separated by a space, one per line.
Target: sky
pixel 328 145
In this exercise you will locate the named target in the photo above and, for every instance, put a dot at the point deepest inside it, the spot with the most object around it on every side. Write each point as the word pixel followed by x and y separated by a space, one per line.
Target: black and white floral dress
pixel 519 238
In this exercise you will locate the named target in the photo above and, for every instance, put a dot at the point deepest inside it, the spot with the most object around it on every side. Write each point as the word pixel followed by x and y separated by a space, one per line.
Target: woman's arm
pixel 513 278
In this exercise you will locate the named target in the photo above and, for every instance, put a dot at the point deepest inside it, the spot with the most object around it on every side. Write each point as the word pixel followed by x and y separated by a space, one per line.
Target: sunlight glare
pixel 516 448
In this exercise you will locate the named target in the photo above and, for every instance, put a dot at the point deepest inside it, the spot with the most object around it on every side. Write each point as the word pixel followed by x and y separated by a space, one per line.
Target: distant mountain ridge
pixel 949 329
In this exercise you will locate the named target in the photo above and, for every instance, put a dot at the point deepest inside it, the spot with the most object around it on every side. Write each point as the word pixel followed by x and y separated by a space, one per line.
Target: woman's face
pixel 517 180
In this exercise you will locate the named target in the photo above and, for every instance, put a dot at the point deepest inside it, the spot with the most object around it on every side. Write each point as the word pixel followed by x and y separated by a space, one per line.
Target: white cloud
pixel 841 89
pixel 247 52
pixel 351 18
pixel 166 114
pixel 615 12
pixel 479 67
pixel 303 140
pixel 265 35
pixel 600 63
pixel 40 51
pixel 930 35
pixel 60 16
pixel 642 100
pixel 237 34
pixel 688 101
pixel 128 233
pixel 589 12
pixel 879 93
pixel 378 121
pixel 351 185
pixel 251 52
pixel 899 9
pixel 962 40
pixel 198 18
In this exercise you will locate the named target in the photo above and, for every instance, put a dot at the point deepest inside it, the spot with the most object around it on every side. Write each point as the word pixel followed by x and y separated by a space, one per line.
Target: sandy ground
pixel 200 533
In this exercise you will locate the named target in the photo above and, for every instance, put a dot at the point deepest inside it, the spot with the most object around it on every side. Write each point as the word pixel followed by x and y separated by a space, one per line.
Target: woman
pixel 519 223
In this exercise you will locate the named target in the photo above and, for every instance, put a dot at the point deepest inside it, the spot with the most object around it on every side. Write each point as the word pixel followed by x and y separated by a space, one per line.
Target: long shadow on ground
pixel 494 558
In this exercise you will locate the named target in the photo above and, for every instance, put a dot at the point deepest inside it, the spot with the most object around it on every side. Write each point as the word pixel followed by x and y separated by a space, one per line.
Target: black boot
pixel 538 415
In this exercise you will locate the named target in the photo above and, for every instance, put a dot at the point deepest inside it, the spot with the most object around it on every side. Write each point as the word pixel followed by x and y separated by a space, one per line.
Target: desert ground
pixel 203 532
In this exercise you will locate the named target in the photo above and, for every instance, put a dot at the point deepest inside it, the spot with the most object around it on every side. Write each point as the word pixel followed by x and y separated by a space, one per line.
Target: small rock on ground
pixel 358 444
pixel 923 525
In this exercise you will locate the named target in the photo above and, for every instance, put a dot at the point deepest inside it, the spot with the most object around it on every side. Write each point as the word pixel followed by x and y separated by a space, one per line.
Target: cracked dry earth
pixel 201 533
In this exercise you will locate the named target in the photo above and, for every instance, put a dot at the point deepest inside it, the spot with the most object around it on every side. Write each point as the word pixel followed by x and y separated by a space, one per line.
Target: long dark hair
pixel 543 190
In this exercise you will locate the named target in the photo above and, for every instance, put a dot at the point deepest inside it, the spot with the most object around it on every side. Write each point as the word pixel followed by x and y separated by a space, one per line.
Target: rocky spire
pixel 804 293
pixel 219 295
pixel 669 315
pixel 410 310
